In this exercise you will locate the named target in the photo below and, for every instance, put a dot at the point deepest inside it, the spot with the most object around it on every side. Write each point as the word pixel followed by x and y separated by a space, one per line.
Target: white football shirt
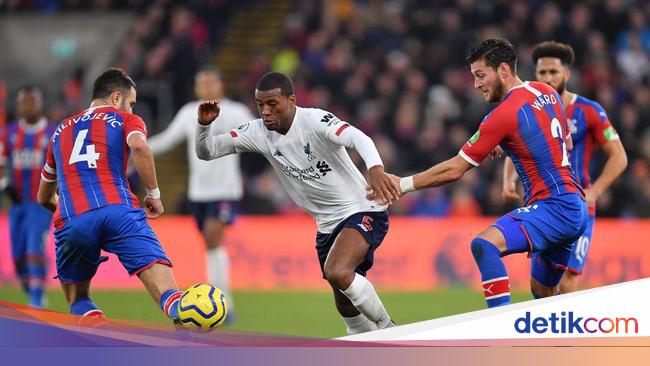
pixel 213 180
pixel 312 164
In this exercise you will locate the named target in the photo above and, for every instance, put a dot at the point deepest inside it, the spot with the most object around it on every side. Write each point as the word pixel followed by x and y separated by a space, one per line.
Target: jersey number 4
pixel 556 131
pixel 89 157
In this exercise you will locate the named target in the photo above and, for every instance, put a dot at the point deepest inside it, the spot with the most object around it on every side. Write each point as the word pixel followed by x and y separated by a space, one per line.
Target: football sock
pixel 85 307
pixel 358 324
pixel 496 284
pixel 169 302
pixel 219 272
pixel 363 296
pixel 36 270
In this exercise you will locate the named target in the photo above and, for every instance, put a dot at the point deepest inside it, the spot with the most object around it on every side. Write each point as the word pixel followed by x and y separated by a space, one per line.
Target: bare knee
pixel 540 290
pixel 338 276
pixel 569 282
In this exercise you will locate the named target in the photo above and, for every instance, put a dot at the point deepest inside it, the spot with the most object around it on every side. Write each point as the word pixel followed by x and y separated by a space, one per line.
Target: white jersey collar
pixel 42 123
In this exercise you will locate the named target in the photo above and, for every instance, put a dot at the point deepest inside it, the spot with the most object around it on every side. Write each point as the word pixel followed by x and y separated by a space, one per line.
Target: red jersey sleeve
pixel 599 125
pixel 48 173
pixel 134 124
pixel 491 132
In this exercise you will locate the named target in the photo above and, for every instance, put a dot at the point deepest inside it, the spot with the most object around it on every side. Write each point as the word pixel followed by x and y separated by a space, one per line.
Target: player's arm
pixel 47 196
pixel 207 146
pixel 440 174
pixel 385 188
pixel 510 177
pixel 143 162
pixel 170 137
pixel 614 167
pixel 47 188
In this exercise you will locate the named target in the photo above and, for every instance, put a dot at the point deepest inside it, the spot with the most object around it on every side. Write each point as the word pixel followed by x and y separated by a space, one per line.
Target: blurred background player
pixel 215 186
pixel 306 147
pixel 589 126
pixel 23 154
pixel 529 124
pixel 95 208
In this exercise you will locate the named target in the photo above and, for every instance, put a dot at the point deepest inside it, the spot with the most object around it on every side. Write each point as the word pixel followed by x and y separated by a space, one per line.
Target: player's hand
pixel 153 207
pixel 208 111
pixel 510 193
pixel 592 196
pixel 497 153
pixel 381 186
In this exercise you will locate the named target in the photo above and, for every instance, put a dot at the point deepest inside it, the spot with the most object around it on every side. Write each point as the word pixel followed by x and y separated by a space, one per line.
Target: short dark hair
pixel 494 51
pixel 31 89
pixel 111 80
pixel 559 50
pixel 211 68
pixel 275 80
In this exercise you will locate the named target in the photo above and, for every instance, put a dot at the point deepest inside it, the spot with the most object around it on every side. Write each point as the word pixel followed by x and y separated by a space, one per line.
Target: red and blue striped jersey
pixel 87 157
pixel 22 151
pixel 589 126
pixel 530 125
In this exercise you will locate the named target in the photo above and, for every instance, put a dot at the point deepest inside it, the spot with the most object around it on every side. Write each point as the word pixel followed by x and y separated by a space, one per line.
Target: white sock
pixel 219 272
pixel 365 299
pixel 358 324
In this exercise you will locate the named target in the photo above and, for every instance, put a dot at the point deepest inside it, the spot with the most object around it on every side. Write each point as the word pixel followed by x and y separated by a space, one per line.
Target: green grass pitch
pixel 297 313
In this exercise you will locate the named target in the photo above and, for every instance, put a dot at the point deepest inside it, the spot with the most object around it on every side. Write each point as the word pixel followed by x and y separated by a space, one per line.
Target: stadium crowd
pixel 396 70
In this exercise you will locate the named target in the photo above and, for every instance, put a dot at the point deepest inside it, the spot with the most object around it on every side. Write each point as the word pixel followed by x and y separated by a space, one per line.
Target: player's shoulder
pixel 316 118
pixel 588 103
pixel 251 127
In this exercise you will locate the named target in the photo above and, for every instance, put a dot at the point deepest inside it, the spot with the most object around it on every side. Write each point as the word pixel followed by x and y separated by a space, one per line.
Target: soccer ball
pixel 203 307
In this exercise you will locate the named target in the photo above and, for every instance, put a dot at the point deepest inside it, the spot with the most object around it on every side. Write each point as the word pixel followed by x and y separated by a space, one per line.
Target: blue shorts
pixel 116 229
pixel 29 224
pixel 581 248
pixel 547 229
pixel 373 226
pixel 224 211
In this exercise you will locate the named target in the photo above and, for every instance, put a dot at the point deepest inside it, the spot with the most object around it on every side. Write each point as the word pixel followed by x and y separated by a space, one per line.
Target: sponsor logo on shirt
pixel 330 120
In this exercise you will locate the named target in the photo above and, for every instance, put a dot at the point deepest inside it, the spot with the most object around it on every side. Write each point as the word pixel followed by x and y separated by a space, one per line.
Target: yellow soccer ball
pixel 202 306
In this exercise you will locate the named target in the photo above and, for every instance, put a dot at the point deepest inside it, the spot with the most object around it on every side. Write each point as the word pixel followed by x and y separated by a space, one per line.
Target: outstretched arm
pixel 210 147
pixel 438 175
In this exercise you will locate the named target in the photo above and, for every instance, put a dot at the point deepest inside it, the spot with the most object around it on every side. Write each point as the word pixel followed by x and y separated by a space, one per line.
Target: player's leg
pixel 569 282
pixel 355 322
pixel 349 252
pixel 37 231
pixel 77 260
pixel 212 219
pixel 161 285
pixel 17 235
pixel 129 236
pixel 504 237
pixel 77 294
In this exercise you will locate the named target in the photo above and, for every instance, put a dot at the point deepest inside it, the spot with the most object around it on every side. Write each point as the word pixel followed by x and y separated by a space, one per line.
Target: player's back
pixel 535 140
pixel 24 153
pixel 87 157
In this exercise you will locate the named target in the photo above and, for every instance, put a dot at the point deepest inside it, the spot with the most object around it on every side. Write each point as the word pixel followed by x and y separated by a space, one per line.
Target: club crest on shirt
pixel 310 155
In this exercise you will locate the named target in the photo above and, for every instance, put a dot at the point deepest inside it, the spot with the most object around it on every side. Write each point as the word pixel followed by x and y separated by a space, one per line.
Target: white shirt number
pixel 89 157
pixel 556 131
